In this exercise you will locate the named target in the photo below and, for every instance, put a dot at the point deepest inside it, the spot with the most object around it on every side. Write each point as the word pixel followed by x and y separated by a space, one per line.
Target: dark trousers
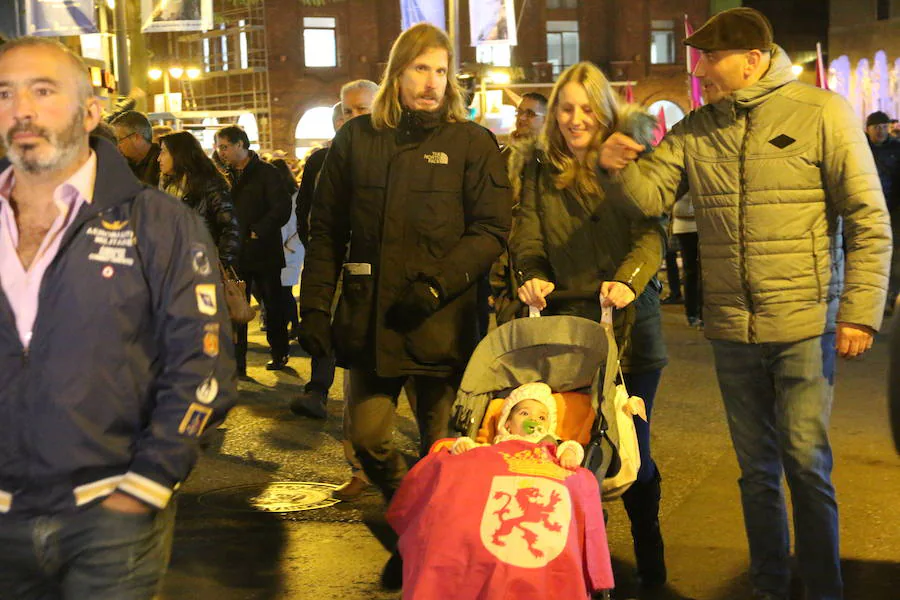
pixel 672 275
pixel 372 405
pixel 267 287
pixel 322 375
pixel 894 281
pixel 693 283
pixel 643 385
pixel 290 306
pixel 92 553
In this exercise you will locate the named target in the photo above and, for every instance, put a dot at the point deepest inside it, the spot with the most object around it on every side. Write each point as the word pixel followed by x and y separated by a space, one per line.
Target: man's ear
pixel 93 113
pixel 754 60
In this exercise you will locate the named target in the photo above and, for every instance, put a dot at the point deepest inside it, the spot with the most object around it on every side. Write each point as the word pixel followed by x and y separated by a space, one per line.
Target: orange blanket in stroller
pixel 500 522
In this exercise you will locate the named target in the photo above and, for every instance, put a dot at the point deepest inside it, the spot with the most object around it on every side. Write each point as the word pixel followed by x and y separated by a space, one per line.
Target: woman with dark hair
pixel 187 173
pixel 293 248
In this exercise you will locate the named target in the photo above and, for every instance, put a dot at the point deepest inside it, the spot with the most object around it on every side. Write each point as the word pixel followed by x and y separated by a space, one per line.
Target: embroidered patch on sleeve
pixel 195 419
pixel 206 298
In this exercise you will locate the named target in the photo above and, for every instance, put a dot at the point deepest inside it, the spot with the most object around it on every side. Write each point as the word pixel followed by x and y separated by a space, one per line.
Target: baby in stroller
pixel 529 414
pixel 512 519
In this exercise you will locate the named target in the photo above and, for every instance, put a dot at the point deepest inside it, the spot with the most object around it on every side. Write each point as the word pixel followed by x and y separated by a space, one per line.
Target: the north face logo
pixel 782 141
pixel 437 158
pixel 526 520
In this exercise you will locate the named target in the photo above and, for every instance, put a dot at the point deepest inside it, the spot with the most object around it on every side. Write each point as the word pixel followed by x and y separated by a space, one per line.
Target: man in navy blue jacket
pixel 115 350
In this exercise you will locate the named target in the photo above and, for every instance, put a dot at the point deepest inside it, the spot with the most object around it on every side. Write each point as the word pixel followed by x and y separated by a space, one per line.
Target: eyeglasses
pixel 528 114
pixel 122 139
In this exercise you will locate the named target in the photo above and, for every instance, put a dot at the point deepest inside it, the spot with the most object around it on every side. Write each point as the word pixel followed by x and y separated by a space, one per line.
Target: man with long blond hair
pixel 421 197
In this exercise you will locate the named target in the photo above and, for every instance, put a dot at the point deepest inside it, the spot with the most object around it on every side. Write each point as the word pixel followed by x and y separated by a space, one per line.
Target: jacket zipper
pixel 742 238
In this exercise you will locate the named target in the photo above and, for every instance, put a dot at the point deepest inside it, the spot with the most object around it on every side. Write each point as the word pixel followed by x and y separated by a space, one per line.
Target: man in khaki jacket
pixel 775 169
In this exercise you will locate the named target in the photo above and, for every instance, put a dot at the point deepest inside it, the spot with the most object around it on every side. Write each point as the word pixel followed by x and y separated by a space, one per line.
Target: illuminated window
pixel 224 50
pixel 562 45
pixel 497 55
pixel 242 45
pixel 320 41
pixel 206 59
pixel 662 42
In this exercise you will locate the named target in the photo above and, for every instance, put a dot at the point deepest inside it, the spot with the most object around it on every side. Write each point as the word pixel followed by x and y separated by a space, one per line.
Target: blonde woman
pixel 567 236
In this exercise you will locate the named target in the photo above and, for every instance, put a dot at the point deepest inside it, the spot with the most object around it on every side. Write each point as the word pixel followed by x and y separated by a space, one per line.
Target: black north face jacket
pixel 428 199
pixel 130 360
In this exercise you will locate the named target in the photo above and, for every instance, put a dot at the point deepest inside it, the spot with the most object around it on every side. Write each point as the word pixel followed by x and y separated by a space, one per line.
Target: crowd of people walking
pixel 119 352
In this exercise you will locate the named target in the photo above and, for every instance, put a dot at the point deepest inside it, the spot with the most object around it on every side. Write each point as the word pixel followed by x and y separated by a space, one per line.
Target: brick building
pixel 641 44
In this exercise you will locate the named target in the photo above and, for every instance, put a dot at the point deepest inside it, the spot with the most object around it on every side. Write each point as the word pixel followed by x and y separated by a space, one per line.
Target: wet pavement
pixel 227 550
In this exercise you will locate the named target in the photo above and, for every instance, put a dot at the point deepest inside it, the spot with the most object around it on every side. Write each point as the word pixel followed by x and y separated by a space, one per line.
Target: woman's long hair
pixel 567 170
pixel 412 43
pixel 189 162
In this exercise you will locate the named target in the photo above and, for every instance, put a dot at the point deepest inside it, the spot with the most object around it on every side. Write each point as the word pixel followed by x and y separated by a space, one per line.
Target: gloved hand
pixel 417 303
pixel 315 333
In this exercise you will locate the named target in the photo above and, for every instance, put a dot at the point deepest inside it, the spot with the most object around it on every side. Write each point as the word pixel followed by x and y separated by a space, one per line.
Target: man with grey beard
pixel 114 353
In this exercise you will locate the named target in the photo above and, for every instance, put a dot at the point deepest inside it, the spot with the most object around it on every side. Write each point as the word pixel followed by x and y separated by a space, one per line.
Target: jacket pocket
pixel 439 340
pixel 353 315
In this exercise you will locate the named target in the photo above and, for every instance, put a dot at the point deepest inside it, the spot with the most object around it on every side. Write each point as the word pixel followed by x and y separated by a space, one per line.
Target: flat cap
pixel 733 29
pixel 877 118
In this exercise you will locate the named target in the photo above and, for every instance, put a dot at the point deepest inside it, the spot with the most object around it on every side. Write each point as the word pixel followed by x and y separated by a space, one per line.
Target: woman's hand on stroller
pixel 534 292
pixel 616 293
pixel 463 444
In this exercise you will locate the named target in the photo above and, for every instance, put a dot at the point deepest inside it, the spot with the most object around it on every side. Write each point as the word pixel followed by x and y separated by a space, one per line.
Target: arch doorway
pixel 313 129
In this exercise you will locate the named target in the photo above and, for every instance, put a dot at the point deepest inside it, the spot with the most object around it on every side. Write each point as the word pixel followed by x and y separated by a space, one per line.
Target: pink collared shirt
pixel 20 286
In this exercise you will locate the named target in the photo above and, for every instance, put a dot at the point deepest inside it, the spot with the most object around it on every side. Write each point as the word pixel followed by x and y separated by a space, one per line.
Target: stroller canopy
pixel 565 352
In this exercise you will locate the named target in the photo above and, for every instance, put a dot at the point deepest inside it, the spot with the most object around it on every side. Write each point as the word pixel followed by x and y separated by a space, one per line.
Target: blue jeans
pixel 778 402
pixel 93 553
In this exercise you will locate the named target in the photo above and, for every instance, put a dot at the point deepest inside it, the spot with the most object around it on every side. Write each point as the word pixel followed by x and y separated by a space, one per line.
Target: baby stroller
pixel 576 357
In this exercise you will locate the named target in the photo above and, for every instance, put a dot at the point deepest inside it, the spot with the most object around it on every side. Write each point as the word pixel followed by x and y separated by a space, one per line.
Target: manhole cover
pixel 275 497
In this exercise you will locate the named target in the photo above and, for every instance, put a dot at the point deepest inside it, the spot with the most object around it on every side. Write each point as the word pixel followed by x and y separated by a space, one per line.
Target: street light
pixel 174 72
pixel 797 70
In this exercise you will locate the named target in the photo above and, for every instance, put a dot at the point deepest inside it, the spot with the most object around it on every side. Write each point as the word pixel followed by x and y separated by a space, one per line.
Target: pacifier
pixel 530 426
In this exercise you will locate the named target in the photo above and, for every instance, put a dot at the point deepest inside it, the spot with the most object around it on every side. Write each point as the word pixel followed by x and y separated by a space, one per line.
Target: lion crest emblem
pixel 526 520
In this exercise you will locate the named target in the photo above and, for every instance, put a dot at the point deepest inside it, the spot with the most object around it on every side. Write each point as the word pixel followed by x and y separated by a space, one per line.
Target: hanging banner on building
pixel 419 11
pixel 60 17
pixel 176 15
pixel 492 22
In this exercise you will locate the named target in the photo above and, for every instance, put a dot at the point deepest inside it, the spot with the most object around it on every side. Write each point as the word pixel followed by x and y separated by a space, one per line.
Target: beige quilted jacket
pixel 774 173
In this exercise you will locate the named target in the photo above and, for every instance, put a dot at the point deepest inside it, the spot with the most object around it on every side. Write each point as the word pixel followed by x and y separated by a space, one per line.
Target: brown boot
pixel 351 490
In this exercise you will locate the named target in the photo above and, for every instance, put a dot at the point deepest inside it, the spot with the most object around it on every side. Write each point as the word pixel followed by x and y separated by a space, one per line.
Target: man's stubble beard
pixel 65 146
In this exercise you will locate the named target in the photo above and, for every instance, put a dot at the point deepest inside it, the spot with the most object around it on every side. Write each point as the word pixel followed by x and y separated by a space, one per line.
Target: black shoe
pixel 392 574
pixel 277 363
pixel 311 404
pixel 695 322
pixel 672 300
